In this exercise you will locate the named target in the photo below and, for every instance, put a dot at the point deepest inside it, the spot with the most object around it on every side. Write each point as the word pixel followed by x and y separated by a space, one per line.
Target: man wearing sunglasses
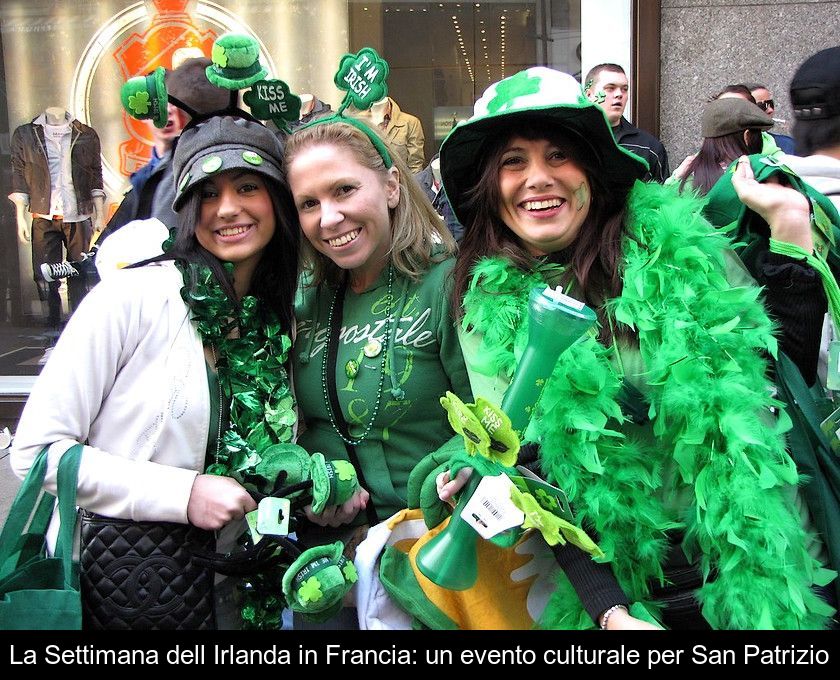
pixel 764 100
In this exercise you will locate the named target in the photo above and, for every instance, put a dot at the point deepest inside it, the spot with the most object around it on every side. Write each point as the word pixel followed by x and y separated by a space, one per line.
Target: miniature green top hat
pixel 333 482
pixel 236 62
pixel 145 98
pixel 316 582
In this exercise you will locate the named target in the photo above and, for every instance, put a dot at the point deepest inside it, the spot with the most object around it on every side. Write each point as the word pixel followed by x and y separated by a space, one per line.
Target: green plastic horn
pixel 556 322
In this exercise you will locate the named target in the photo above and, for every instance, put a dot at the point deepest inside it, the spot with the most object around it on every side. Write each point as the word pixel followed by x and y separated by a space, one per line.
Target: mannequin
pixel 403 131
pixel 310 108
pixel 58 195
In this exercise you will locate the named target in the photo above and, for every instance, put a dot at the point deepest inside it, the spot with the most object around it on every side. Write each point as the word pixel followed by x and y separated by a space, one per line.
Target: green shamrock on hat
pixel 139 103
pixel 508 90
pixel 310 590
pixel 486 429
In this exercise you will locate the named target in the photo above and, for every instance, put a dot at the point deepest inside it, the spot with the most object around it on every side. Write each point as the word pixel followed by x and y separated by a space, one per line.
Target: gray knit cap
pixel 224 143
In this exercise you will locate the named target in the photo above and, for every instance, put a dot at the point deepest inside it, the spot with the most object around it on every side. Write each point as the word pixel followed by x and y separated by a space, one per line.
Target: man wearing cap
pixel 607 86
pixel 764 100
pixel 153 190
pixel 815 96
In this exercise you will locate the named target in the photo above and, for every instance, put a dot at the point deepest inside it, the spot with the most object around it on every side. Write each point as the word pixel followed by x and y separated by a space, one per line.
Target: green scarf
pixel 251 365
pixel 709 403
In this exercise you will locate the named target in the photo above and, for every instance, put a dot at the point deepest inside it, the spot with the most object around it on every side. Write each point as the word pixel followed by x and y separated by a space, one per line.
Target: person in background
pixel 607 86
pixel 731 128
pixel 764 100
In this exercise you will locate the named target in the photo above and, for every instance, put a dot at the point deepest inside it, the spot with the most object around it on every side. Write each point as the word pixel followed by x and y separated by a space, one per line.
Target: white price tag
pixel 490 510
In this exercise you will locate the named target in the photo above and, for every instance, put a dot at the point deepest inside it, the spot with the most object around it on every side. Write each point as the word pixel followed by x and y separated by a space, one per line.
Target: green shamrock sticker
pixel 345 470
pixel 310 590
pixel 139 103
pixel 485 427
pixel 510 89
pixel 362 76
pixel 272 100
pixel 350 573
pixel 218 55
pixel 600 97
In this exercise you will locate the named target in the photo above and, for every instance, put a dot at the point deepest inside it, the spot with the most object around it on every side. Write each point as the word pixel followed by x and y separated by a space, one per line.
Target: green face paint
pixel 600 97
pixel 582 196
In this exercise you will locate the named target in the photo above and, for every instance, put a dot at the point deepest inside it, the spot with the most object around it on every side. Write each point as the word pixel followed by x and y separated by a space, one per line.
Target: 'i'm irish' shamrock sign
pixel 362 76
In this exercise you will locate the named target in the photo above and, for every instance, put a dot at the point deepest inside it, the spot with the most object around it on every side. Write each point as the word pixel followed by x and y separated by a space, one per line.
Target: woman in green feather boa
pixel 661 427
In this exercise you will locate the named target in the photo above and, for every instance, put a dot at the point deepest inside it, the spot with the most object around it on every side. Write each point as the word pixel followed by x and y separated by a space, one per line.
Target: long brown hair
pixel 706 168
pixel 593 258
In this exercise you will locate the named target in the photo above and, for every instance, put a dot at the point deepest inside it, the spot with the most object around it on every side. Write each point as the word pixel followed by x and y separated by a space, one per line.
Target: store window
pixel 444 54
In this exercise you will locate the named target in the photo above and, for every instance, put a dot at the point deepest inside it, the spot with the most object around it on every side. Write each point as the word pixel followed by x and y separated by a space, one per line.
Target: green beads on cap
pixel 211 165
pixel 185 180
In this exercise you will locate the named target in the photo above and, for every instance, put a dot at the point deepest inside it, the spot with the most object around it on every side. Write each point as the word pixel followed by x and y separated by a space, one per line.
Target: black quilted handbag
pixel 142 575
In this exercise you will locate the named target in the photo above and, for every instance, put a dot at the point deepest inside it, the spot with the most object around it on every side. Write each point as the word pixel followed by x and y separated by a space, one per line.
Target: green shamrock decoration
pixel 589 84
pixel 510 89
pixel 362 76
pixel 600 97
pixel 485 427
pixel 139 103
pixel 345 470
pixel 546 500
pixel 350 573
pixel 218 55
pixel 272 100
pixel 310 590
pixel 554 529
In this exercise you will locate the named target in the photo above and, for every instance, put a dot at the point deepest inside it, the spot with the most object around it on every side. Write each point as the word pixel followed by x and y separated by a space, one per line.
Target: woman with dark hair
pixel 731 128
pixel 173 374
pixel 658 427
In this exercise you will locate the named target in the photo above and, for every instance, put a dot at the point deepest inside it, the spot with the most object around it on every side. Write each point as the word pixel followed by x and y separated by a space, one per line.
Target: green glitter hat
pixel 236 62
pixel 145 98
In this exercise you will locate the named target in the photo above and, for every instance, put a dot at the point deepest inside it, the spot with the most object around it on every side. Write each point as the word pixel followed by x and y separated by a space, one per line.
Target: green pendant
pixel 351 368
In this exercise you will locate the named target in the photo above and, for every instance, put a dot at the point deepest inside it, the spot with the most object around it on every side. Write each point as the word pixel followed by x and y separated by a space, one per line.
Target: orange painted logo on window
pixel 171 28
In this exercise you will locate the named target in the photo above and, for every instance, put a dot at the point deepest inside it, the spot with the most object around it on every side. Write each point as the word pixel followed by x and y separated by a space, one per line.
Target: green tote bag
pixel 39 592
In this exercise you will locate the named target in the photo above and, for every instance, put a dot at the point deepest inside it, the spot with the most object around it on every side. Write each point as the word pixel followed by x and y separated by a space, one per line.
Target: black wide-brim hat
pixel 537 93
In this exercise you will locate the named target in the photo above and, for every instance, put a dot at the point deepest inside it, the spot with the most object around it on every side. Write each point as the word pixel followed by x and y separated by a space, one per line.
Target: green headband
pixel 374 138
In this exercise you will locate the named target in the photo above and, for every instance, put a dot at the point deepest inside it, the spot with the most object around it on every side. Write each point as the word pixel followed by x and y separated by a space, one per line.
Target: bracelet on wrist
pixel 605 617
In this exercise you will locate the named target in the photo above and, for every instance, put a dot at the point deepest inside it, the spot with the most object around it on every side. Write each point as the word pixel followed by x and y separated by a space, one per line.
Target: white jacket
pixel 128 378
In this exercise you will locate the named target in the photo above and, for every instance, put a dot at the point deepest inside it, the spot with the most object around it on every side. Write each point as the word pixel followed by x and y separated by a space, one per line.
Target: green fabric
pixel 426 361
pixel 750 232
pixel 814 457
pixel 38 592
pixel 400 582
pixel 709 440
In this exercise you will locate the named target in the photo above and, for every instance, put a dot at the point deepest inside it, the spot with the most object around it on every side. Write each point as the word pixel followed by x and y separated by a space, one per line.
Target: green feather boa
pixel 711 447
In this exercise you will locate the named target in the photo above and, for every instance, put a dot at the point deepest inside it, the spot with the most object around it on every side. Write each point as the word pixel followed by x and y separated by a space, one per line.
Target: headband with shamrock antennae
pixel 363 76
pixel 236 65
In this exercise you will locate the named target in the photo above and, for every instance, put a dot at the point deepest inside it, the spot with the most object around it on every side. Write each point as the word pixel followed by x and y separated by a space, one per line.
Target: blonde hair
pixel 416 227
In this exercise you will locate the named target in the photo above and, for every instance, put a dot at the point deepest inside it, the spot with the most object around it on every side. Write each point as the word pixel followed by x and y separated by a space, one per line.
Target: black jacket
pixel 31 170
pixel 645 145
